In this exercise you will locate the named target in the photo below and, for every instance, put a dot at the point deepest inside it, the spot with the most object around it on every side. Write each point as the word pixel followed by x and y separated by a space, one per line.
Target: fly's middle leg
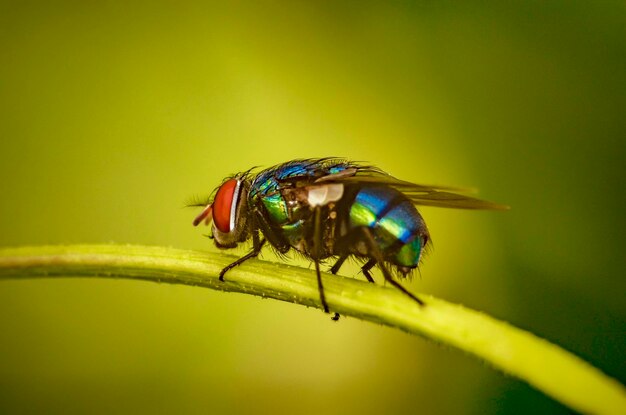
pixel 317 245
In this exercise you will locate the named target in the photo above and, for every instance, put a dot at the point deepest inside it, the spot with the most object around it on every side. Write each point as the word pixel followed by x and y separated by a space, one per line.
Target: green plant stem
pixel 545 366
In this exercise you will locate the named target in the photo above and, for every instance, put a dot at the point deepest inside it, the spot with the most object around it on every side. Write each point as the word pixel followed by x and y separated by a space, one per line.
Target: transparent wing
pixel 451 200
pixel 440 196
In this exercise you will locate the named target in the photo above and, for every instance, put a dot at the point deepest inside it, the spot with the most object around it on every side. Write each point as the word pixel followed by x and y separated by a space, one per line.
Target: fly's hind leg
pixel 378 258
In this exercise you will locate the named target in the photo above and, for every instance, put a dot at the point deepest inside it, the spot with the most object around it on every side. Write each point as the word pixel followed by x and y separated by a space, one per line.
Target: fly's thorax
pixel 291 205
pixel 230 213
pixel 291 211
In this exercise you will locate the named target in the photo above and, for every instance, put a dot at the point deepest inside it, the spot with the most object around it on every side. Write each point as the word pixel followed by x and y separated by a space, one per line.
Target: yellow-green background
pixel 113 114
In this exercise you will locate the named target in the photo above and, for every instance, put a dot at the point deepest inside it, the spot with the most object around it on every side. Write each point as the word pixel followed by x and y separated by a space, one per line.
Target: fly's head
pixel 229 213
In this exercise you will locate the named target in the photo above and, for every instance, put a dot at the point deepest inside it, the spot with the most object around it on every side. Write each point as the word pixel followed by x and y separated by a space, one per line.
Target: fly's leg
pixel 366 269
pixel 257 244
pixel 378 256
pixel 335 268
pixel 317 242
pixel 275 238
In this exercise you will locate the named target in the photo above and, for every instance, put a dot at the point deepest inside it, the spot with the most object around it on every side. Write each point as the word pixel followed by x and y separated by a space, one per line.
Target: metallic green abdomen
pixel 398 228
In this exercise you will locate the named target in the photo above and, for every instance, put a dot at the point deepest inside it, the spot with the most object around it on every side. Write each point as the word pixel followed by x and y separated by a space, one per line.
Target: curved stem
pixel 545 366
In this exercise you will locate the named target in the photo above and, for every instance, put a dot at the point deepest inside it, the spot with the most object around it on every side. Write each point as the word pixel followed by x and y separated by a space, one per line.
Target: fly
pixel 329 208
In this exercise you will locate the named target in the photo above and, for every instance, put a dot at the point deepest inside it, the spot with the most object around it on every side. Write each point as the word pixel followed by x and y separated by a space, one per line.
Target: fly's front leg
pixel 257 244
pixel 273 236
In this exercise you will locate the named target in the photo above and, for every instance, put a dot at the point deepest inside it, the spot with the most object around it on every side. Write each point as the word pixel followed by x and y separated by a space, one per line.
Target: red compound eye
pixel 223 206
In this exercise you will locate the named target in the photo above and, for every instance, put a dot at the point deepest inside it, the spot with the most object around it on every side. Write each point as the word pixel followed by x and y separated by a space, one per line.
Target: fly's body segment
pixel 329 208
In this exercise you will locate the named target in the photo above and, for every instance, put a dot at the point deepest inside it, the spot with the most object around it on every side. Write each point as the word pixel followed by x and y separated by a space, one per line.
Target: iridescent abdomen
pixel 397 226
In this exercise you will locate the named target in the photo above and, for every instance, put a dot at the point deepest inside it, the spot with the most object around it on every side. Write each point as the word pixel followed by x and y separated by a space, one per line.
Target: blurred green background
pixel 114 114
